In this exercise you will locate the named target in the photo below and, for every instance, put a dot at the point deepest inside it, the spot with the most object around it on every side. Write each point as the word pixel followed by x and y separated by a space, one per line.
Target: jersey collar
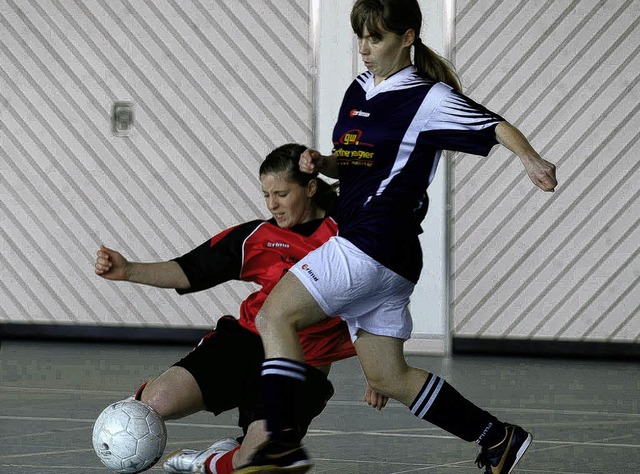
pixel 389 83
pixel 306 229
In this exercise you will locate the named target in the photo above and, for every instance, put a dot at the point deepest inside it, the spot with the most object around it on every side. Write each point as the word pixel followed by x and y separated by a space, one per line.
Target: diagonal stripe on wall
pixel 564 266
pixel 214 86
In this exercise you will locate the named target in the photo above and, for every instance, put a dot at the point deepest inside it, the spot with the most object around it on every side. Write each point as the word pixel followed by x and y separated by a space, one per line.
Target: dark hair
pixel 398 16
pixel 286 159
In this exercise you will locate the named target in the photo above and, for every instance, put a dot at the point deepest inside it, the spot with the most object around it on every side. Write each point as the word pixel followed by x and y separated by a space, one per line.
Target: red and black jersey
pixel 261 252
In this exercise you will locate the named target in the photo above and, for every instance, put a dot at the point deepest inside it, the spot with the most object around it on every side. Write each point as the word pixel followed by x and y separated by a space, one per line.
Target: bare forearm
pixel 159 274
pixel 511 138
pixel 329 166
pixel 541 172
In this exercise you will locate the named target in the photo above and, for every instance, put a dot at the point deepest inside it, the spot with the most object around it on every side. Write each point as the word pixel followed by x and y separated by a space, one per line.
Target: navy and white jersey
pixel 388 140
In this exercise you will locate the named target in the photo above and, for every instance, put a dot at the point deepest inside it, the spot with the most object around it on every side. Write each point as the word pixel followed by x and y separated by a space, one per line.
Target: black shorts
pixel 227 364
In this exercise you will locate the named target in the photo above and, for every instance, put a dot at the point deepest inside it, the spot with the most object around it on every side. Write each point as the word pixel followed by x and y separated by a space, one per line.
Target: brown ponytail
pixel 433 66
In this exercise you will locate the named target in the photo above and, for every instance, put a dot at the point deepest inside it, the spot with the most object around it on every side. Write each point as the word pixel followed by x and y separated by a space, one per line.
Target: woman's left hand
pixel 375 399
pixel 541 172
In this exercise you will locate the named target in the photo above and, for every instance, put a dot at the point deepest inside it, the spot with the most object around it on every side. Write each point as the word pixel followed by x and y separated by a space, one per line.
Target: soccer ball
pixel 129 436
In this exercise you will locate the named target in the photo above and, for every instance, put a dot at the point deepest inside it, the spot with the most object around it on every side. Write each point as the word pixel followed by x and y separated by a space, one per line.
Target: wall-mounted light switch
pixel 122 118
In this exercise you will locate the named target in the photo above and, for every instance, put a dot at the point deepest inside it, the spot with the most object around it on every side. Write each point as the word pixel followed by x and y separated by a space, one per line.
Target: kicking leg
pixel 289 308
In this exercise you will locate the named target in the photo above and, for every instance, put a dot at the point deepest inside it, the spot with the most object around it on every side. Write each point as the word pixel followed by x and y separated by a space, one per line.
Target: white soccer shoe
pixel 187 461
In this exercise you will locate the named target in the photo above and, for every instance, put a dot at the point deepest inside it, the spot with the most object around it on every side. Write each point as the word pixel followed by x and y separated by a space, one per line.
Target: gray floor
pixel 585 415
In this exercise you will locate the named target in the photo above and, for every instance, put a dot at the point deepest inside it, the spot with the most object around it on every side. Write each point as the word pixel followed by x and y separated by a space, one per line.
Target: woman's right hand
pixel 110 264
pixel 311 161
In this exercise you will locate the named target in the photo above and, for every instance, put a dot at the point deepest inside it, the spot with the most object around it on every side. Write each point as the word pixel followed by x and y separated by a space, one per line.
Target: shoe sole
pixel 521 451
pixel 274 469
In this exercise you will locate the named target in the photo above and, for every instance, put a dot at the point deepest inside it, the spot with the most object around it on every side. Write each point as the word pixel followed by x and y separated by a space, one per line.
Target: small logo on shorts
pixel 306 268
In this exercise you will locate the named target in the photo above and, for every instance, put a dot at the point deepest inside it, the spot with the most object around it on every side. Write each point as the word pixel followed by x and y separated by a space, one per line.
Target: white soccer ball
pixel 129 436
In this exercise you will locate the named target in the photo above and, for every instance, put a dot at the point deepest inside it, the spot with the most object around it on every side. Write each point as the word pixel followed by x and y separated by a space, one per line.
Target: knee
pixel 166 400
pixel 261 322
pixel 267 321
pixel 174 394
pixel 380 383
pixel 157 398
pixel 390 383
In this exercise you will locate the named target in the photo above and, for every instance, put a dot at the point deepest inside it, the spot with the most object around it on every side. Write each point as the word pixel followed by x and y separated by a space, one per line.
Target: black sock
pixel 281 381
pixel 441 404
pixel 312 398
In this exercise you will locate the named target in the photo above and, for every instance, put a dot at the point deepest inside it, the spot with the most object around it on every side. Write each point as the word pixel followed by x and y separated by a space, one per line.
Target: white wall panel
pixel 214 86
pixel 565 266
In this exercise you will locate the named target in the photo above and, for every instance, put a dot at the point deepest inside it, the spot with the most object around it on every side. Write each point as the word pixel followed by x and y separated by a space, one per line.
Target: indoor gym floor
pixel 584 414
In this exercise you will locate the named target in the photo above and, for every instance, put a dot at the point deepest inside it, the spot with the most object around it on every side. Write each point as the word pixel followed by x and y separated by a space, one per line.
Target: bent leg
pixel 174 394
pixel 288 309
pixel 384 365
pixel 428 396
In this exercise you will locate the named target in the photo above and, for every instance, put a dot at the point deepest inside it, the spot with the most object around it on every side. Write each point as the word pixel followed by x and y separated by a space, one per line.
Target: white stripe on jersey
pixel 364 78
pixel 418 124
pixel 465 114
pixel 403 79
pixel 441 109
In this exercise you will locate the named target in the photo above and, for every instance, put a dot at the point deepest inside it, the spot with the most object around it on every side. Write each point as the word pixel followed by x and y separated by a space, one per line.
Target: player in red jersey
pixel 259 251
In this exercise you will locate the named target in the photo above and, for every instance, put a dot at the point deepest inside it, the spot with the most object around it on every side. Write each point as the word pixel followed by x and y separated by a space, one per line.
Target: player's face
pixel 385 54
pixel 289 203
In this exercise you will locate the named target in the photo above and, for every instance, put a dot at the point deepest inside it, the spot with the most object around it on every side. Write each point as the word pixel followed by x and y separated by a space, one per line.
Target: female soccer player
pixel 393 124
pixel 223 371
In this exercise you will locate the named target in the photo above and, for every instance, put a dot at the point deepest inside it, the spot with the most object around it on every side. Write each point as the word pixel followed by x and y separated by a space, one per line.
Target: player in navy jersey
pixel 393 124
pixel 223 371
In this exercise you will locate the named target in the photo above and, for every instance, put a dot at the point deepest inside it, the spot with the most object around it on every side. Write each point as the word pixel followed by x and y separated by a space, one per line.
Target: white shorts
pixel 347 282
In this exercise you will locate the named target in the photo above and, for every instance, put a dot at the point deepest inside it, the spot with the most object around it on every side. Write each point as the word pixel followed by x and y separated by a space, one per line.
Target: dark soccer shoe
pixel 275 457
pixel 504 457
